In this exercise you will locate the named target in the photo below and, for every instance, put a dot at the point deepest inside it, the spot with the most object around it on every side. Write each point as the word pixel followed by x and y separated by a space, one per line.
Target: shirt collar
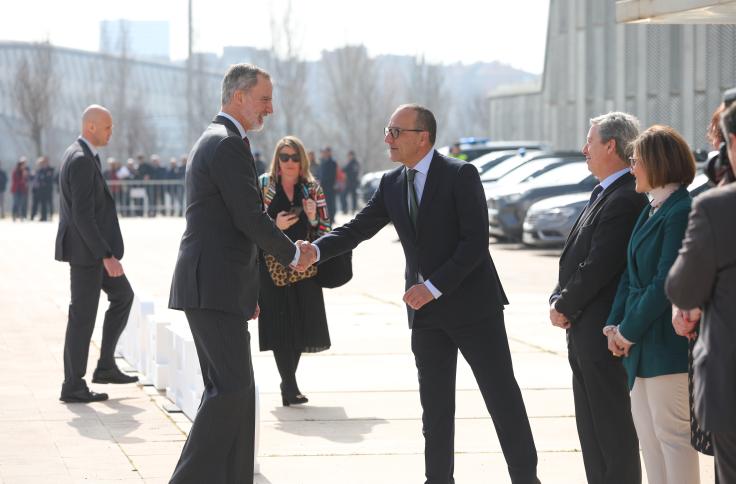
pixel 423 165
pixel 608 181
pixel 91 147
pixel 235 122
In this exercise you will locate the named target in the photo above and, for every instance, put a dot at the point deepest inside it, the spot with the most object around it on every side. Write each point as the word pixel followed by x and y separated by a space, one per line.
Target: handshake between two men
pixel 307 255
pixel 417 296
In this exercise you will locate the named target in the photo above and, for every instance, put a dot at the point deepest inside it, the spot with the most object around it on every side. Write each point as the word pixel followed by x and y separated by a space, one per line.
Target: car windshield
pixel 503 168
pixel 568 174
pixel 489 160
pixel 529 169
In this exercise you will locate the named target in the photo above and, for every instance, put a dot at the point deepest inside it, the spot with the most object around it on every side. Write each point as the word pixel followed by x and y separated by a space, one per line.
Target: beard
pixel 258 123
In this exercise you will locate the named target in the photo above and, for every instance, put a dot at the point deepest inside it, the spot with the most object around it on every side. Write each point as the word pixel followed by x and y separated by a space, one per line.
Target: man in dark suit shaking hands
pixel 89 239
pixel 591 264
pixel 216 279
pixel 453 294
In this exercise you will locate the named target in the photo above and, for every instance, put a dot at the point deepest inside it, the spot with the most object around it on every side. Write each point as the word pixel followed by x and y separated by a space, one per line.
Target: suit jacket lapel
pixel 230 126
pixel 647 225
pixel 590 210
pixel 430 186
pixel 403 185
pixel 88 153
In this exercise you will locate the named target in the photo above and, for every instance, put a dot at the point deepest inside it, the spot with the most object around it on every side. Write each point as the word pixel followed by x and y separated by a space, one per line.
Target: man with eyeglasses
pixel 591 265
pixel 216 279
pixel 453 294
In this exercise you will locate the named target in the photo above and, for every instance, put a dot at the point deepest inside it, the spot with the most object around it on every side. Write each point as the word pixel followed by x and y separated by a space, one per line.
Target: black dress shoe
pixel 292 397
pixel 83 395
pixel 113 375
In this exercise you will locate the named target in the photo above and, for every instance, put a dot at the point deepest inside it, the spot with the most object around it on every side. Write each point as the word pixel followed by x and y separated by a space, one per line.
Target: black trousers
pixel 603 417
pixel 86 283
pixel 724 446
pixel 486 349
pixel 220 447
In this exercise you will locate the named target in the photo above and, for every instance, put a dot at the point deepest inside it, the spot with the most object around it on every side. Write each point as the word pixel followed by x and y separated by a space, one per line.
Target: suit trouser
pixel 661 412
pixel 220 447
pixel 724 447
pixel 486 349
pixel 86 283
pixel 603 417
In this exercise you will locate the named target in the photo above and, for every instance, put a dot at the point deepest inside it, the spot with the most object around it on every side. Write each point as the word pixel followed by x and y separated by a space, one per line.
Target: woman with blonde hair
pixel 292 320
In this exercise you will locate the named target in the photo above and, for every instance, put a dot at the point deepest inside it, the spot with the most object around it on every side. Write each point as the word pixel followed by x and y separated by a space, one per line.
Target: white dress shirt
pixel 420 178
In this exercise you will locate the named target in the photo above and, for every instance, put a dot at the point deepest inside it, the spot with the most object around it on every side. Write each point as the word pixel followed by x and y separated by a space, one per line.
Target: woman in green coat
pixel 639 328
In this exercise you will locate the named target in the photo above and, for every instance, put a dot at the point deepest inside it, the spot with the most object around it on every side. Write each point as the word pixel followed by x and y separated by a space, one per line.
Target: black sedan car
pixel 507 205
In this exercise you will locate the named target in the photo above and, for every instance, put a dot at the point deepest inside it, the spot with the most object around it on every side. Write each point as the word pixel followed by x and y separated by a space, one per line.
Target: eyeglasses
pixel 396 132
pixel 633 161
pixel 284 157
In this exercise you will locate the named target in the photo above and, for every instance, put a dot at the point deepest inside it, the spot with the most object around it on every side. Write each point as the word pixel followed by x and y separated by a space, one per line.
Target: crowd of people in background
pixel 147 187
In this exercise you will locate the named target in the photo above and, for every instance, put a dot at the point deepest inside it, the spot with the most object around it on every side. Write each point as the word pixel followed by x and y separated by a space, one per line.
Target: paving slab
pixel 363 421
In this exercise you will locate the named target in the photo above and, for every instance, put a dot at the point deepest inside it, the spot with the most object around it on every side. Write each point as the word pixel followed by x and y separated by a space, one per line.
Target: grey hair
pixel 621 127
pixel 240 77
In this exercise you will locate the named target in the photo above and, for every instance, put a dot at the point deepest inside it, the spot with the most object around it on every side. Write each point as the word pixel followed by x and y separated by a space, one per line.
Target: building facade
pixel 147 101
pixel 663 74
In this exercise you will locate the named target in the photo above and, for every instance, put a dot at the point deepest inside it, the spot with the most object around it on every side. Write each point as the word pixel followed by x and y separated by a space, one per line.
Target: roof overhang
pixel 676 11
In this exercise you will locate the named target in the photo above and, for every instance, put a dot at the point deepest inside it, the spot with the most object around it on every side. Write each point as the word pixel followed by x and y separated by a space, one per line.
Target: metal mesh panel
pixel 726 39
pixel 702 118
pixel 675 57
pixel 630 55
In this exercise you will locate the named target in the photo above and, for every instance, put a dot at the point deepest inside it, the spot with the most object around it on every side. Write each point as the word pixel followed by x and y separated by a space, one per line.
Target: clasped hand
pixel 307 255
pixel 557 318
pixel 685 321
pixel 617 344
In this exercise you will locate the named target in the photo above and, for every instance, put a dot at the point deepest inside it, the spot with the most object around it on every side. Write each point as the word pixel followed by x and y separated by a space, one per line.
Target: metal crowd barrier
pixel 148 198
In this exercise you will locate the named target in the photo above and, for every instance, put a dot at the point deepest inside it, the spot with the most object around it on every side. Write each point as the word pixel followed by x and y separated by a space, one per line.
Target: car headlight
pixel 554 215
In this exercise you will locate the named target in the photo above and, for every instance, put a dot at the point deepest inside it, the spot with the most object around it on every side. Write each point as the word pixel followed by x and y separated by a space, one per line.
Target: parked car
pixel 494 158
pixel 521 170
pixel 507 205
pixel 472 148
pixel 548 222
pixel 369 183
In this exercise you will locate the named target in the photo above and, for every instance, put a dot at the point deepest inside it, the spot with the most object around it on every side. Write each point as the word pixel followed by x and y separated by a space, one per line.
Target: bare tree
pixel 35 82
pixel 134 133
pixel 358 104
pixel 476 115
pixel 290 72
pixel 426 86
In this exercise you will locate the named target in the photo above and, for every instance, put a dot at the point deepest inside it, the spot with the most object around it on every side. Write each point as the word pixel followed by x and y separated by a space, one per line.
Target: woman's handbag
pixel 699 438
pixel 282 276
pixel 336 271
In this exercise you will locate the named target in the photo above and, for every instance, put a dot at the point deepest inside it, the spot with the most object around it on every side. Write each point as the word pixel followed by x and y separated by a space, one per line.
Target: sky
pixel 513 32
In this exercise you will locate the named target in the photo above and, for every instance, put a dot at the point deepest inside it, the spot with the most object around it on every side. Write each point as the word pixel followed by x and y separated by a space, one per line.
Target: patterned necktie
pixel 596 191
pixel 413 205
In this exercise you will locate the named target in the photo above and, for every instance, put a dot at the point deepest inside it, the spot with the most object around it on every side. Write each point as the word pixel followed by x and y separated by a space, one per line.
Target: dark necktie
pixel 413 205
pixel 247 144
pixel 594 194
pixel 99 163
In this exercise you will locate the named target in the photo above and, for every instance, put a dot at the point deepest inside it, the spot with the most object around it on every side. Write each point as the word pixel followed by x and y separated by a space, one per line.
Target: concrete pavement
pixel 362 424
